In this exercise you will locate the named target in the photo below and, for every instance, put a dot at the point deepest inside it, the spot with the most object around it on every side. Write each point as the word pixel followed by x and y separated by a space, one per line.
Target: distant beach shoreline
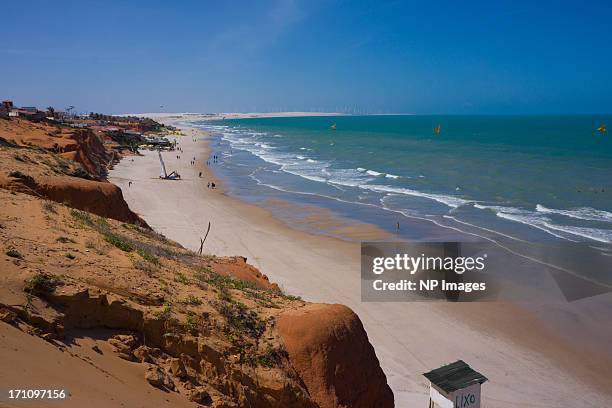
pixel 517 351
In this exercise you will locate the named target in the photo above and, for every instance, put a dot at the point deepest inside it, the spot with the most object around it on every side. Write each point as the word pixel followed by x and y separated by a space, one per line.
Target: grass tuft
pixel 148 256
pixel 42 283
pixel 165 313
pixel 181 278
pixel 192 300
pixel 270 357
pixel 49 206
pixel 291 297
pixel 240 320
pixel 222 281
pixel 119 242
pixel 146 267
pixel 82 216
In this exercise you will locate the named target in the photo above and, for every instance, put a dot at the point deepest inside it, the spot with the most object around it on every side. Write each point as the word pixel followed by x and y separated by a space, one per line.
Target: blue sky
pixel 474 57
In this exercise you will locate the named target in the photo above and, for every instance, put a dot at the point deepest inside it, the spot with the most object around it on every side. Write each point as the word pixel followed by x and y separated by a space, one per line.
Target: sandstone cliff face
pixel 196 330
pixel 200 331
pixel 100 198
pixel 238 268
pixel 329 348
pixel 63 165
pixel 81 145
pixel 89 151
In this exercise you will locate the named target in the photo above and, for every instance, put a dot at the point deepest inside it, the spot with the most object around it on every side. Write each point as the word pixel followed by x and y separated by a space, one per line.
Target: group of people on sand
pixel 178 156
pixel 214 159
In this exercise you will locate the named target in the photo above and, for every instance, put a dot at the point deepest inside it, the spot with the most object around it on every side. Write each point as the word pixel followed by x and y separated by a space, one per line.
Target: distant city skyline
pixel 335 56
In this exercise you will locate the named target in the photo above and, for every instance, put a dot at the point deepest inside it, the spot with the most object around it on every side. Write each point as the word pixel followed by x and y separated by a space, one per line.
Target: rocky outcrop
pixel 238 268
pixel 98 197
pixel 199 366
pixel 89 151
pixel 81 145
pixel 34 161
pixel 158 379
pixel 329 349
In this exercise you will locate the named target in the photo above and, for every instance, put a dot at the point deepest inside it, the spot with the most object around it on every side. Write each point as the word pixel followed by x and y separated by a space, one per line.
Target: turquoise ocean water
pixel 538 178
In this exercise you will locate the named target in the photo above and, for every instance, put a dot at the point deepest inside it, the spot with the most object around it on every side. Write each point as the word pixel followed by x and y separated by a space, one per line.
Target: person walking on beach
pixel 129 184
pixel 200 175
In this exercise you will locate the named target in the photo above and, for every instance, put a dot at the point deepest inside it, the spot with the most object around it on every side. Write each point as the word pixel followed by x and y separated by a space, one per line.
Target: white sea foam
pixel 347 177
pixel 583 213
pixel 595 234
pixel 377 173
pixel 450 201
pixel 537 220
pixel 301 166
pixel 263 145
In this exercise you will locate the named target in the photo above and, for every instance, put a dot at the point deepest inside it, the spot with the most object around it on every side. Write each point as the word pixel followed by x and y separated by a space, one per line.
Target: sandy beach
pixel 526 363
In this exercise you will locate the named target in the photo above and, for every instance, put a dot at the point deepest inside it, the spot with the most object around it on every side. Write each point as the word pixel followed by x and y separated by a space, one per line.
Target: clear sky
pixel 476 57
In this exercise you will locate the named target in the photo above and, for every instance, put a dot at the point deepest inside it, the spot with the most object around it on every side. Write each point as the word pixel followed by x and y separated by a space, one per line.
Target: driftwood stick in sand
pixel 204 239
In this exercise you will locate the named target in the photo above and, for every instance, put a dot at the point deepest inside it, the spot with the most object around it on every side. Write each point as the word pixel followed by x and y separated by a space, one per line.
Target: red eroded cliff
pixel 89 151
pixel 81 145
pixel 329 349
pixel 98 197
pixel 45 172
